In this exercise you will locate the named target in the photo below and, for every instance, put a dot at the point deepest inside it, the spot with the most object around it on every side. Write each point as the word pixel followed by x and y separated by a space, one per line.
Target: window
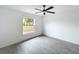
pixel 28 25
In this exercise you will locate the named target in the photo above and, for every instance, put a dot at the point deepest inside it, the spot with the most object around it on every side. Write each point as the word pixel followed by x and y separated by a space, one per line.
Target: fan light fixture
pixel 45 10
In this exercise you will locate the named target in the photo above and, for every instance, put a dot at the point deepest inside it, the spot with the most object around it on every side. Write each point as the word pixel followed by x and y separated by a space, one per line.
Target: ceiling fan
pixel 45 10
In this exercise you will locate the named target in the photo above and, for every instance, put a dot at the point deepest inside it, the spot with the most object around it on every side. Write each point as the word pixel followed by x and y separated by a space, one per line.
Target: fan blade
pixel 49 8
pixel 50 12
pixel 38 9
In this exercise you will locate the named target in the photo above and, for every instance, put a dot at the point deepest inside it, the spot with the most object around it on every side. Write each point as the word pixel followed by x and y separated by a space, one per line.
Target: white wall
pixel 11 26
pixel 63 25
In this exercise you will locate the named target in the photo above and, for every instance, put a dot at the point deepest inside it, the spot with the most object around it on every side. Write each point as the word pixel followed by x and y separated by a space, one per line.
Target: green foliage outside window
pixel 28 24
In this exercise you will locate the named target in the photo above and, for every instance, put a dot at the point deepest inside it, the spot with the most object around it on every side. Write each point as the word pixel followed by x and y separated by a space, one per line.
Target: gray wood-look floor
pixel 42 45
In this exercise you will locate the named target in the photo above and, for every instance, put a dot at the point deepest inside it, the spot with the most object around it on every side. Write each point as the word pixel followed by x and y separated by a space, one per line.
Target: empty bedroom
pixel 39 29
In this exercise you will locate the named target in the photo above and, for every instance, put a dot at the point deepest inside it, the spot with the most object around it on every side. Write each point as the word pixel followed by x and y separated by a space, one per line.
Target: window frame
pixel 32 25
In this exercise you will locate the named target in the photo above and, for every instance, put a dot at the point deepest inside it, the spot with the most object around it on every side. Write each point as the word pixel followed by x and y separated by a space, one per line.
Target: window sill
pixel 28 32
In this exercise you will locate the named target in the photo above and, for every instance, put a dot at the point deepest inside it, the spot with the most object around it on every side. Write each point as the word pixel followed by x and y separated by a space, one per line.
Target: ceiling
pixel 31 8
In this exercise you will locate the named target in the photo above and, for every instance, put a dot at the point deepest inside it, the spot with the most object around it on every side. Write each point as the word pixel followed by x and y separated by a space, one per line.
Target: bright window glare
pixel 28 25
